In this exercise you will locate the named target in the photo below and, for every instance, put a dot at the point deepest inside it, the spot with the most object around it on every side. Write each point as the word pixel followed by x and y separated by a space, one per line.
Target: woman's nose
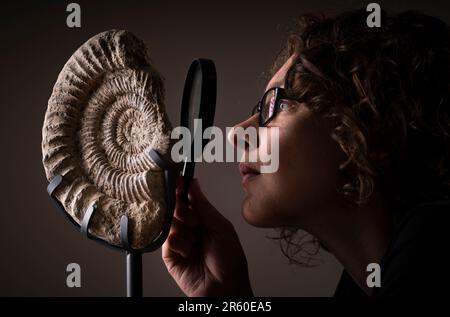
pixel 245 133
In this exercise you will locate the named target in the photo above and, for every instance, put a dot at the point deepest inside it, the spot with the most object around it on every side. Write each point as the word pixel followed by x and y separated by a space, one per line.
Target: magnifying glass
pixel 198 103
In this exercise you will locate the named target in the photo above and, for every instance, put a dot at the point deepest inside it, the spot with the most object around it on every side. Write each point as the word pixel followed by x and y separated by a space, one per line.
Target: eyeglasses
pixel 269 105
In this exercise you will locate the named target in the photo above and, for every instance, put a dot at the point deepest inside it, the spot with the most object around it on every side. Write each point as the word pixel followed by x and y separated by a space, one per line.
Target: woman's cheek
pixel 281 189
pixel 297 175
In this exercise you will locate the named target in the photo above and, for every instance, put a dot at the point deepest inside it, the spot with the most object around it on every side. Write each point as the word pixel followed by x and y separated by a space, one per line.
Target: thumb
pixel 196 196
pixel 206 211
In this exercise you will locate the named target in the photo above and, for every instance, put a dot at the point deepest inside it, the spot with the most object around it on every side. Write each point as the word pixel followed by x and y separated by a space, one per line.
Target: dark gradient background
pixel 36 243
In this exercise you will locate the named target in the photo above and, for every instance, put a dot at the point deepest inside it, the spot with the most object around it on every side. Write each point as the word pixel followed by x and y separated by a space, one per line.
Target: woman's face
pixel 304 185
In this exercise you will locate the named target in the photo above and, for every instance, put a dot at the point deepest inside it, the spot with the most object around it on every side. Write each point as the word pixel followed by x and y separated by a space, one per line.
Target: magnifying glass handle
pixel 187 179
pixel 186 183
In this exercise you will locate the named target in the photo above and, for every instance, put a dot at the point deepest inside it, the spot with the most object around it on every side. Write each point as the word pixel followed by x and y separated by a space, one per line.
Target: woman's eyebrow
pixel 275 84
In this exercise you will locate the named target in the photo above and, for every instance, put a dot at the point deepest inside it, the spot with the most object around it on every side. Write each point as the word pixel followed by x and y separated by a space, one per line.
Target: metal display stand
pixel 133 256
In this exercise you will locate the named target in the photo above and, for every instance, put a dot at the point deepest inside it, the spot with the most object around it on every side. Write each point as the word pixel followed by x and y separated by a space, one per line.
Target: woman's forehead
pixel 279 77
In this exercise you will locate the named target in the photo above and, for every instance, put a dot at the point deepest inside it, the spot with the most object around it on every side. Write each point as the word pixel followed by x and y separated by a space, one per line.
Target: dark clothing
pixel 416 262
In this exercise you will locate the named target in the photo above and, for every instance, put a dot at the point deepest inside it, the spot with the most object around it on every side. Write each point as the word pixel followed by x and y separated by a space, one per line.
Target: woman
pixel 363 122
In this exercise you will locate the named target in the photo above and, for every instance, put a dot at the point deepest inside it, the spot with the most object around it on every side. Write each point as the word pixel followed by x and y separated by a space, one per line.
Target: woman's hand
pixel 202 252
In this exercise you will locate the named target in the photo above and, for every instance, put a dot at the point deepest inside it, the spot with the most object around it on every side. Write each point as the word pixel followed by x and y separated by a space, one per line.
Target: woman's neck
pixel 357 236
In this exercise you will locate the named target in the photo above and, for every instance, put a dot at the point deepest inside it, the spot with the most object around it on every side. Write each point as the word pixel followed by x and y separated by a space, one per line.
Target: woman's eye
pixel 284 106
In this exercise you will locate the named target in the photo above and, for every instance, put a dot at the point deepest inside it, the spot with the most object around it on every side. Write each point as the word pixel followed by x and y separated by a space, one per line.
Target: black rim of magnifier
pixel 207 70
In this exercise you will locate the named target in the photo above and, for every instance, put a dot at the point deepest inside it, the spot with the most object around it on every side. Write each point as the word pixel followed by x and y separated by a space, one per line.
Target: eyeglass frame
pixel 280 93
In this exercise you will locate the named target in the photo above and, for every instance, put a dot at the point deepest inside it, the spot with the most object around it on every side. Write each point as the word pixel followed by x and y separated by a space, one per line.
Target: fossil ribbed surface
pixel 105 113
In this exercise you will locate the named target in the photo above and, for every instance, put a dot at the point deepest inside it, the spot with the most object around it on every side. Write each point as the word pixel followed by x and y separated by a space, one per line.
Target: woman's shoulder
pixel 416 261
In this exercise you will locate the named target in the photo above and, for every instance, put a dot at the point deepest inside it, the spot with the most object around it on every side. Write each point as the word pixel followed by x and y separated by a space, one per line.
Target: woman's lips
pixel 247 172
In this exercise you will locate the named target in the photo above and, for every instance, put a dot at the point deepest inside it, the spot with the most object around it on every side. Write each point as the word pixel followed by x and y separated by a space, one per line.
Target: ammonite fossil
pixel 105 113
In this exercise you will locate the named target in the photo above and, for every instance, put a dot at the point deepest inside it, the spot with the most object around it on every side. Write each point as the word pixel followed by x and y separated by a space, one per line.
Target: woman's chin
pixel 258 215
pixel 255 217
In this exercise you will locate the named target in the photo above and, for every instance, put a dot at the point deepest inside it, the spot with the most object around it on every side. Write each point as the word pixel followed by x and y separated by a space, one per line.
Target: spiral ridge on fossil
pixel 105 113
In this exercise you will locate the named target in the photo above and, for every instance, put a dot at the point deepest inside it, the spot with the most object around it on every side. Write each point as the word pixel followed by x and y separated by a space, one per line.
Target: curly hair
pixel 387 90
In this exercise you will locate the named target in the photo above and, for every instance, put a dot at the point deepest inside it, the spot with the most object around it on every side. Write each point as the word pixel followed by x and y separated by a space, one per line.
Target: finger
pixel 179 245
pixel 172 253
pixel 179 185
pixel 170 258
pixel 196 196
pixel 184 214
pixel 181 229
pixel 205 210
